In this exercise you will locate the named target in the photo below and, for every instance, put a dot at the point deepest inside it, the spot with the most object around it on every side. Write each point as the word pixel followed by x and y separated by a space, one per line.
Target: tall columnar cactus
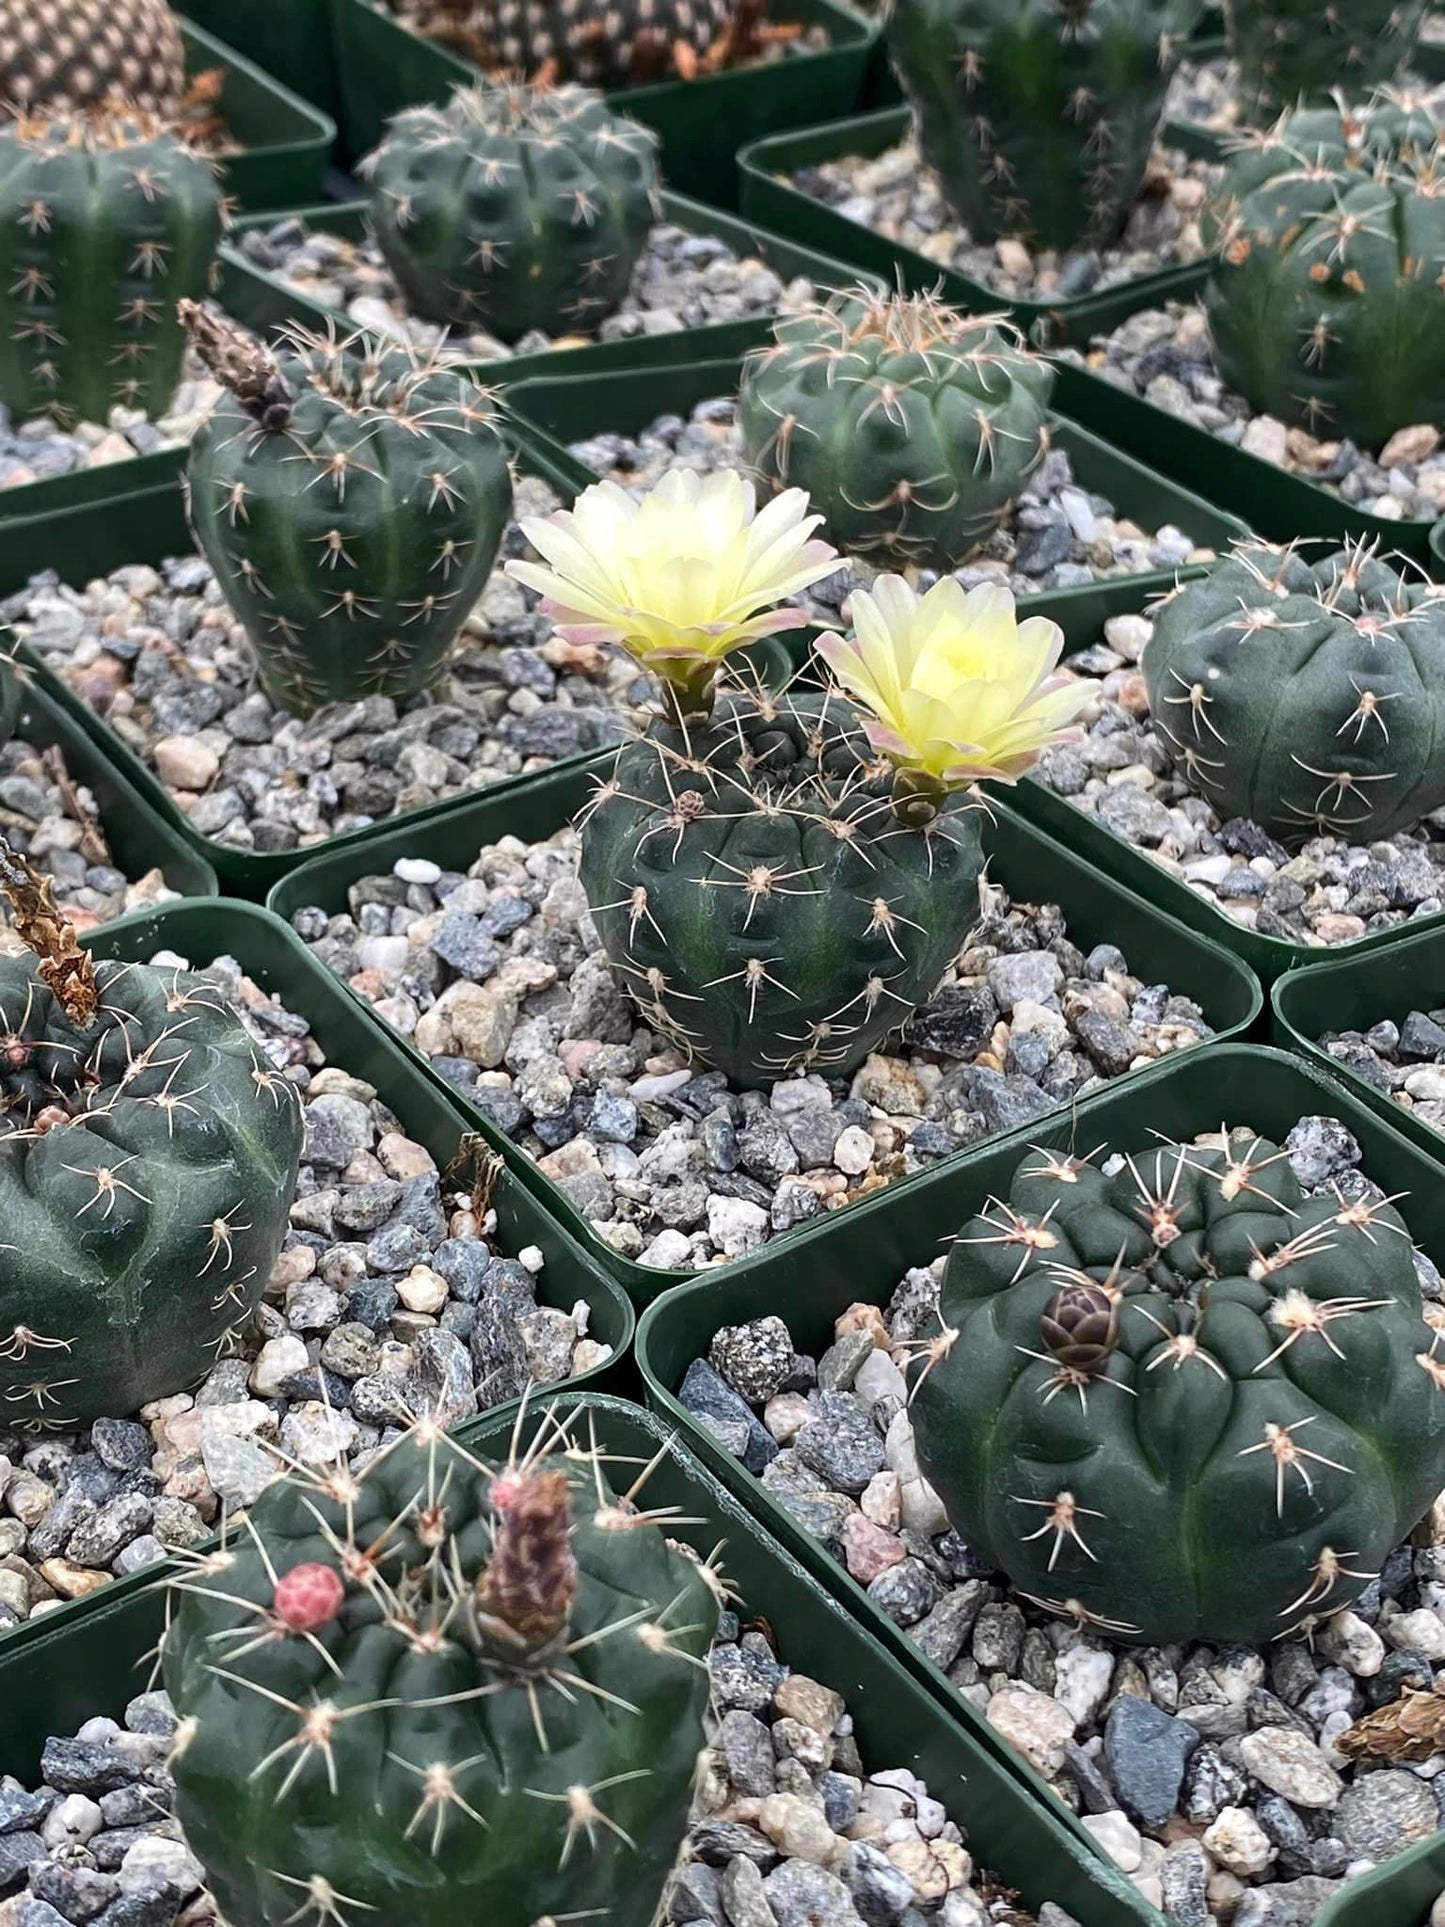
pixel 602 43
pixel 1307 694
pixel 1185 1401
pixel 442 1690
pixel 351 499
pixel 104 224
pixel 1294 53
pixel 146 1171
pixel 1326 300
pixel 912 427
pixel 70 56
pixel 514 208
pixel 1039 115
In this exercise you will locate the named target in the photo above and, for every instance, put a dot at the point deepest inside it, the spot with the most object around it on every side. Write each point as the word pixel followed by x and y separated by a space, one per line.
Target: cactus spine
pixel 71 56
pixel 1294 53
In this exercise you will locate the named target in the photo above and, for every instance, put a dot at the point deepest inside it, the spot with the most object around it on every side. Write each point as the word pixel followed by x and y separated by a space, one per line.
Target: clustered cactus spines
pixel 68 56
pixel 1039 115
pixel 601 43
pixel 1305 692
pixel 351 499
pixel 912 427
pixel 1326 300
pixel 1294 53
pixel 1184 1401
pixel 104 224
pixel 514 208
pixel 146 1172
pixel 441 1689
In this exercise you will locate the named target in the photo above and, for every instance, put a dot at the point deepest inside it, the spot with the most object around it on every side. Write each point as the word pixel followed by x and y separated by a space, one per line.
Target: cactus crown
pixel 58 56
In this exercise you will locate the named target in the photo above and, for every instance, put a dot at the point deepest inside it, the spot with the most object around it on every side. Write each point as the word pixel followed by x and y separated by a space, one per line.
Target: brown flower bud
pixel 1080 1326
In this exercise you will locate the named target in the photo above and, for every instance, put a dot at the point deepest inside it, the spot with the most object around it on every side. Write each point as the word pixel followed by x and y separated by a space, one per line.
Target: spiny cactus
pixel 514 208
pixel 351 499
pixel 1306 694
pixel 1294 53
pixel 146 1171
pixel 1039 115
pixel 912 427
pixel 104 224
pixel 1184 1401
pixel 602 43
pixel 441 1689
pixel 68 56
pixel 1326 300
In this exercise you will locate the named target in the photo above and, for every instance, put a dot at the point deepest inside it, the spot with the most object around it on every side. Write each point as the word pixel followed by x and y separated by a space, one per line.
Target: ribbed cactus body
pixel 351 501
pixel 146 1174
pixel 1294 53
pixel 911 426
pixel 1326 301
pixel 434 1690
pixel 1306 694
pixel 758 896
pixel 104 226
pixel 606 43
pixel 68 56
pixel 1185 1401
pixel 1039 115
pixel 513 208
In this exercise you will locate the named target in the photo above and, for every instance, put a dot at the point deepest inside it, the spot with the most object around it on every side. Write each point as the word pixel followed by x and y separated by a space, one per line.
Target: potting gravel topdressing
pixel 38 449
pixel 1406 1060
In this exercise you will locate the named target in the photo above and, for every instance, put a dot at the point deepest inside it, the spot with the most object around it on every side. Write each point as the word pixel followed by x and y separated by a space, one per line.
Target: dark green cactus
pixel 146 1173
pixel 1307 695
pixel 440 1691
pixel 911 426
pixel 513 208
pixel 602 43
pixel 1185 1401
pixel 1326 300
pixel 351 500
pixel 104 225
pixel 1039 115
pixel 1295 53
pixel 759 896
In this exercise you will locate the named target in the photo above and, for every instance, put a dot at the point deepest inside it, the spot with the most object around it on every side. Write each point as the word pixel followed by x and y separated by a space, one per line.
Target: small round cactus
pixel 1326 299
pixel 911 426
pixel 1294 53
pixel 77 56
pixel 1307 695
pixel 1184 1401
pixel 514 208
pixel 601 43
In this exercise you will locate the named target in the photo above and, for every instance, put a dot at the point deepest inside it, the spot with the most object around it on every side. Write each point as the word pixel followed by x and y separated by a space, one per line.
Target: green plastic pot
pixel 289 39
pixel 90 1666
pixel 719 339
pixel 285 141
pixel 1097 909
pixel 383 67
pixel 1398 1894
pixel 805 1285
pixel 769 195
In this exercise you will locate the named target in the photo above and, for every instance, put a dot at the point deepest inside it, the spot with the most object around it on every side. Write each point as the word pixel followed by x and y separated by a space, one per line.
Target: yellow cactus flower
pixel 959 689
pixel 679 577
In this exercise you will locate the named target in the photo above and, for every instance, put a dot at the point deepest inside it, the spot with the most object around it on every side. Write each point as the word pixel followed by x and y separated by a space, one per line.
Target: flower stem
pixel 918 798
pixel 688 688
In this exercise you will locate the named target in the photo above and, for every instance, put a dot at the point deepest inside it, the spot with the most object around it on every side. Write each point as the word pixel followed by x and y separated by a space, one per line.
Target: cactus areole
pixel 436 1690
pixel 1184 1401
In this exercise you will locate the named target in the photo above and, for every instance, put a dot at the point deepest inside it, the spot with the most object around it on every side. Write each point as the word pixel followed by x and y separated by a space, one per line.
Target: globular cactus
pixel 437 1689
pixel 104 224
pixel 602 43
pixel 72 56
pixel 1039 115
pixel 1305 694
pixel 146 1170
pixel 911 426
pixel 351 499
pixel 1294 53
pixel 1326 299
pixel 1184 1401
pixel 514 208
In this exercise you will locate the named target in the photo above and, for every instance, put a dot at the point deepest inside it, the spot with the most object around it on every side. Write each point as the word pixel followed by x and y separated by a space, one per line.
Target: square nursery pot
pixel 288 39
pixel 1398 1894
pixel 572 408
pixel 61 1675
pixel 1097 910
pixel 382 67
pixel 1351 993
pixel 285 142
pixel 717 339
pixel 804 1283
pixel 769 195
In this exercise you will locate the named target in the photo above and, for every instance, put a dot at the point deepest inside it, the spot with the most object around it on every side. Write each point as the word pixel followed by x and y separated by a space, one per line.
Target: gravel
pixel 390 1295
pixel 1165 356
pixel 682 281
pixel 1328 891
pixel 1206 93
pixel 1406 1061
pixel 496 977
pixel 899 197
pixel 1208 1774
pixel 39 449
